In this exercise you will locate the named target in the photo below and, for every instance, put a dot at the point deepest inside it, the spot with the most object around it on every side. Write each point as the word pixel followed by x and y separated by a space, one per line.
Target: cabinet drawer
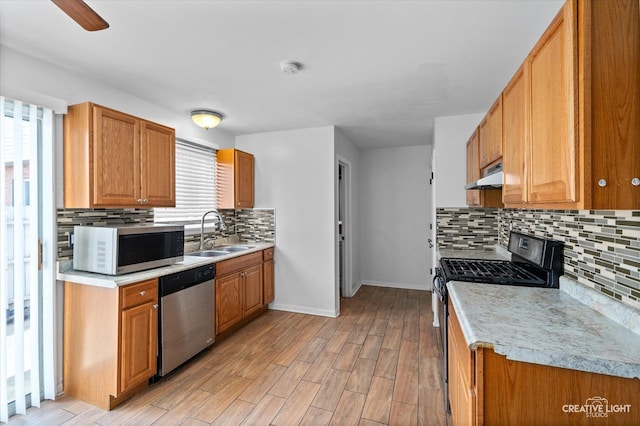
pixel 267 254
pixel 139 293
pixel 238 263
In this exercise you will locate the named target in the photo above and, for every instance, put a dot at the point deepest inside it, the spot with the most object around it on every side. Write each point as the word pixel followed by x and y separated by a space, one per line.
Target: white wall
pixel 29 79
pixel 348 152
pixel 394 216
pixel 450 139
pixel 294 173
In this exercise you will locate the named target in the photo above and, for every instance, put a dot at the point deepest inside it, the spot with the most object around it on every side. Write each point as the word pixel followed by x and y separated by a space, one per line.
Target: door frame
pixel 347 289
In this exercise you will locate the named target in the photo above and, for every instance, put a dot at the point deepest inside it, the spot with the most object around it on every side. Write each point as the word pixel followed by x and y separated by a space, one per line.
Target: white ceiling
pixel 379 70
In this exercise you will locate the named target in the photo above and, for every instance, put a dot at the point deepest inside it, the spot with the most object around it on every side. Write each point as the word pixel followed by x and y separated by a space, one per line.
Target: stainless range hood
pixel 492 179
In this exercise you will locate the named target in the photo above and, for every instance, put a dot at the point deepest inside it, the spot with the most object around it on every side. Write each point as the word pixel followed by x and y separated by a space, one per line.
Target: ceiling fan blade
pixel 80 12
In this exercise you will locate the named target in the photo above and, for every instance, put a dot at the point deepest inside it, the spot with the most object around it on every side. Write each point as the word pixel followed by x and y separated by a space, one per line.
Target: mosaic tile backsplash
pixel 68 218
pixel 602 248
pixel 467 228
pixel 252 225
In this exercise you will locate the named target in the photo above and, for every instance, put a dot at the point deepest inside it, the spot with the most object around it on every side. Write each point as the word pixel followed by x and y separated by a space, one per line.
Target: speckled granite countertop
pixel 544 326
pixel 67 273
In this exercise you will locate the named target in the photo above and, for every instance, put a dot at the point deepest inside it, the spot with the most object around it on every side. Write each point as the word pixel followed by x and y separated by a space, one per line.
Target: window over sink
pixel 195 186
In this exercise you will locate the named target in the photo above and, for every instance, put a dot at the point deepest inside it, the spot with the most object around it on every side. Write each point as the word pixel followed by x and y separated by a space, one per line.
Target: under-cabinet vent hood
pixel 492 179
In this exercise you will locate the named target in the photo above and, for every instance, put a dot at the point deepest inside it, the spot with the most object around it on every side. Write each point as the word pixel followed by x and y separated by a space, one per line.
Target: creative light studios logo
pixel 597 406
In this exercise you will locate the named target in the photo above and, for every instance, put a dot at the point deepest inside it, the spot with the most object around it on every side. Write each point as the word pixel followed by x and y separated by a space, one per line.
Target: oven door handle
pixel 438 287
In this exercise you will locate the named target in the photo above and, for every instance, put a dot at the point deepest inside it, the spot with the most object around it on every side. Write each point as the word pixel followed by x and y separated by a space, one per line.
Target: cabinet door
pixel 513 133
pixel 461 373
pixel 157 165
pixel 138 345
pixel 491 135
pixel 244 176
pixel 252 289
pixel 552 174
pixel 116 158
pixel 473 169
pixel 229 309
pixel 269 282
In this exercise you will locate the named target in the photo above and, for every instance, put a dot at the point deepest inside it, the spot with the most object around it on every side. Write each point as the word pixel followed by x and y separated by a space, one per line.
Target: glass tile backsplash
pixel 602 248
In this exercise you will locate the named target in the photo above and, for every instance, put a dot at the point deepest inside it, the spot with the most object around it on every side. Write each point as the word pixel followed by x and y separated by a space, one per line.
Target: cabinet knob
pixel 602 183
pixel 635 181
pixel 139 201
pixel 143 292
pixel 145 201
pixel 155 306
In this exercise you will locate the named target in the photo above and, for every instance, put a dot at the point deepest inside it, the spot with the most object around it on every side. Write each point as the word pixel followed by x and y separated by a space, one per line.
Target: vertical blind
pixel 23 128
pixel 195 184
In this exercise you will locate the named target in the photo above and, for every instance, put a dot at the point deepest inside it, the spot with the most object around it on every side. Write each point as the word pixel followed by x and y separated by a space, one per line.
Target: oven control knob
pixel 635 181
pixel 602 183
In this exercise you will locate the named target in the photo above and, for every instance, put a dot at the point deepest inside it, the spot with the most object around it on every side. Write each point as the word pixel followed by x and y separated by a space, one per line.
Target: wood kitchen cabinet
pixel 490 135
pixel 113 159
pixel 487 388
pixel 235 179
pixel 269 278
pixel 110 341
pixel 582 112
pixel 514 137
pixel 229 309
pixel 473 169
pixel 553 144
pixel 478 197
pixel 239 290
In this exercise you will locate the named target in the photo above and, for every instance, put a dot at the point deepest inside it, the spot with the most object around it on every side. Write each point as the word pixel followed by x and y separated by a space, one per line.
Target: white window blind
pixel 25 163
pixel 195 185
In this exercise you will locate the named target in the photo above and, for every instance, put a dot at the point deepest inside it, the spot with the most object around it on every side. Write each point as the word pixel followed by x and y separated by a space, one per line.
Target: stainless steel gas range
pixel 535 262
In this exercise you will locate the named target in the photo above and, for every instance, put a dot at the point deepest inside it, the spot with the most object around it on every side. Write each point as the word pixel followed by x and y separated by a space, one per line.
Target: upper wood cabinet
pixel 112 159
pixel 513 140
pixel 553 143
pixel 581 112
pixel 473 169
pixel 491 135
pixel 235 179
pixel 477 197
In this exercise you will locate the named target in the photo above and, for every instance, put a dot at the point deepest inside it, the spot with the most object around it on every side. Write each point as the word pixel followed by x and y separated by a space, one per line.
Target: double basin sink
pixel 220 251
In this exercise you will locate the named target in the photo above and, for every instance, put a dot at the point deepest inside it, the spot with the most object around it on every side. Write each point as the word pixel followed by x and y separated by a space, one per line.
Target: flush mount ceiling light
pixel 205 118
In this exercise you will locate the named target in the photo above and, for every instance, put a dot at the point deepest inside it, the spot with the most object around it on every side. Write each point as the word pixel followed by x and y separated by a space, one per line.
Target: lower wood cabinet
pixel 268 274
pixel 486 388
pixel 228 301
pixel 110 341
pixel 240 288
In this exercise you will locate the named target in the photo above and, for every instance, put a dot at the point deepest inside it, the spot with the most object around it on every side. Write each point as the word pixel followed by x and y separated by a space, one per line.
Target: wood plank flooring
pixel 376 364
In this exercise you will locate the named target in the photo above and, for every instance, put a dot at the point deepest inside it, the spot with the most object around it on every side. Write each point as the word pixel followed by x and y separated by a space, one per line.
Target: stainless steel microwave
pixel 121 249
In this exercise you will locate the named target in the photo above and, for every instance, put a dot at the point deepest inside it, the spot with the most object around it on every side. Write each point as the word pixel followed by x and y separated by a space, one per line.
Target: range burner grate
pixel 489 271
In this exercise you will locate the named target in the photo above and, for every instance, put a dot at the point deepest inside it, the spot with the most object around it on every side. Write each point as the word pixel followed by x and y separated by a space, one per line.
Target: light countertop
pixel 545 326
pixel 67 273
pixel 497 253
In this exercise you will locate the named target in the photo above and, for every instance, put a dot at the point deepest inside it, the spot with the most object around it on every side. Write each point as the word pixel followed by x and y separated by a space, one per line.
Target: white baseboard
pixel 355 290
pixel 425 287
pixel 303 310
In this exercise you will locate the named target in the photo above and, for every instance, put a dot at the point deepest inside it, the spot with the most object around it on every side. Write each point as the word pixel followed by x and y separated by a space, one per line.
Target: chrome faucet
pixel 220 221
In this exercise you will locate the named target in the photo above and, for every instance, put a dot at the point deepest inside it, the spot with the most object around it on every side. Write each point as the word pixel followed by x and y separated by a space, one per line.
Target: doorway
pixel 343 231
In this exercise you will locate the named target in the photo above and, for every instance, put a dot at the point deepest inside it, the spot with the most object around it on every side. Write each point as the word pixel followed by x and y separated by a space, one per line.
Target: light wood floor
pixel 378 363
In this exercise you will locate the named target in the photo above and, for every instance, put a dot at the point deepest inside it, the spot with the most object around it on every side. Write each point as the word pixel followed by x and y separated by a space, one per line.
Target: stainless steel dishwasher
pixel 187 316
